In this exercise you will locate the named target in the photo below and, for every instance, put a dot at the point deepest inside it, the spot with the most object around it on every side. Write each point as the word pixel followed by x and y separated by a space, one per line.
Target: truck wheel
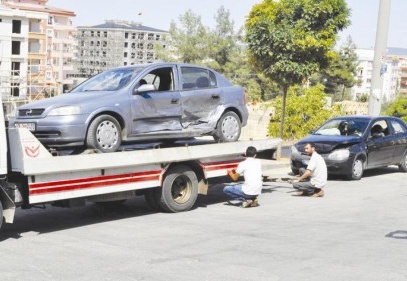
pixel 403 163
pixel 179 191
pixel 357 170
pixel 152 196
pixel 228 128
pixel 104 133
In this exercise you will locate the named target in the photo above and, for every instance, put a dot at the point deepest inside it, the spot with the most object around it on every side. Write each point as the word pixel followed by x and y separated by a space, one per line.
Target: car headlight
pixel 339 154
pixel 65 110
pixel 294 150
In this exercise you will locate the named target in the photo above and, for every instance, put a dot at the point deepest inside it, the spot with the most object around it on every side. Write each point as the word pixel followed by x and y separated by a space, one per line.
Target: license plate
pixel 29 126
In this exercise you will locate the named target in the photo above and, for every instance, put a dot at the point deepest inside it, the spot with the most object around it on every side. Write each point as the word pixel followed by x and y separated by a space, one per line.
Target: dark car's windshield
pixel 111 80
pixel 344 127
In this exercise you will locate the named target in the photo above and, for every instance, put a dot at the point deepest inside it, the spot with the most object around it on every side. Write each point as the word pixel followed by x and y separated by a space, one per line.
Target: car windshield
pixel 344 127
pixel 111 80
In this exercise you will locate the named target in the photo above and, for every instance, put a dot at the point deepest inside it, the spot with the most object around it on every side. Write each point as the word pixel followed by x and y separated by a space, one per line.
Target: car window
pixel 344 127
pixel 110 80
pixel 398 128
pixel 197 78
pixel 161 78
pixel 380 127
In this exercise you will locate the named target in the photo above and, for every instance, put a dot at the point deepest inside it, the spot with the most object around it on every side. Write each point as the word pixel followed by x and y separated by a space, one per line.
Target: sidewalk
pixel 276 168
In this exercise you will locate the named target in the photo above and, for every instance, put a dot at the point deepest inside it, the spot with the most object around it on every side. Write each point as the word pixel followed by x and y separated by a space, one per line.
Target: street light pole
pixel 376 95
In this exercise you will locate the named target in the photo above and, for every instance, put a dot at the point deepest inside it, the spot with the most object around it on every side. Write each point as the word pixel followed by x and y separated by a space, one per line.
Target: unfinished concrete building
pixel 36 50
pixel 116 43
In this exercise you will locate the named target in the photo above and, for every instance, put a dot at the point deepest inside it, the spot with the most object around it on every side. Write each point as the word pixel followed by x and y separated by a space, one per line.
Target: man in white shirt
pixel 316 172
pixel 250 169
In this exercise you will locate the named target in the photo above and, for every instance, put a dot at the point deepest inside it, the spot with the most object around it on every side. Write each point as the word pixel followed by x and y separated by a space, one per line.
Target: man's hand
pixel 233 175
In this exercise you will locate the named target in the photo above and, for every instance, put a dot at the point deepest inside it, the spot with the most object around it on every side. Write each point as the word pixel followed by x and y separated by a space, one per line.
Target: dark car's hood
pixel 325 144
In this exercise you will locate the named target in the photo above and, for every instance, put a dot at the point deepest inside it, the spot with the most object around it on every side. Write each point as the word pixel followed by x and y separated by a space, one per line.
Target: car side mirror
pixel 145 88
pixel 377 135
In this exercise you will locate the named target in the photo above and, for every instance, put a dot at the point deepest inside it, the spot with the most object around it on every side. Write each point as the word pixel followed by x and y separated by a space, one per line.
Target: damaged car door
pixel 156 105
pixel 201 99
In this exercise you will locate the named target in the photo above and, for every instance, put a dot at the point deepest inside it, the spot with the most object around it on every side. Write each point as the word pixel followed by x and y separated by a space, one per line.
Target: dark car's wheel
pixel 295 171
pixel 357 170
pixel 104 134
pixel 228 128
pixel 403 163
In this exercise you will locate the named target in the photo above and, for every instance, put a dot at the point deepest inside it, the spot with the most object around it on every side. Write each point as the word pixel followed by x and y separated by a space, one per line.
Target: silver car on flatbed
pixel 142 102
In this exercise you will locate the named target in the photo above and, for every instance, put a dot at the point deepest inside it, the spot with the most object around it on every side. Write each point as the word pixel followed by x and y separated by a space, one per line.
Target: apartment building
pixel 41 47
pixel 116 43
pixel 393 71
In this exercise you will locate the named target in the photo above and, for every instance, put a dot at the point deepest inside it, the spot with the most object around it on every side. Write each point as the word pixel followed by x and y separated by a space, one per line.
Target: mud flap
pixel 9 208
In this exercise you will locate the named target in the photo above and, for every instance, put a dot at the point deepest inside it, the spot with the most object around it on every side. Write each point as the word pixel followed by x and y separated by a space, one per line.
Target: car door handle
pixel 174 101
pixel 215 96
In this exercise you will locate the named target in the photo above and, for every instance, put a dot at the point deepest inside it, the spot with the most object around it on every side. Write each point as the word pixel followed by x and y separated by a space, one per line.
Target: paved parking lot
pixel 358 231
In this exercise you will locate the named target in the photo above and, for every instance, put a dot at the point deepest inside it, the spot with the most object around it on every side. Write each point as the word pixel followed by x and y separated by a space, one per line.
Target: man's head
pixel 309 148
pixel 251 151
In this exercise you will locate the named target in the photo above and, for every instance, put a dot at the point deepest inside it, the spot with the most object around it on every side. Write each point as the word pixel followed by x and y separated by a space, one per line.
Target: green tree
pixel 223 40
pixel 398 108
pixel 289 40
pixel 340 73
pixel 188 42
pixel 306 110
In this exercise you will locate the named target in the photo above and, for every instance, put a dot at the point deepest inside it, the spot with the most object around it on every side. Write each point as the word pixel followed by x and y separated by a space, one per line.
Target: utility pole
pixel 376 95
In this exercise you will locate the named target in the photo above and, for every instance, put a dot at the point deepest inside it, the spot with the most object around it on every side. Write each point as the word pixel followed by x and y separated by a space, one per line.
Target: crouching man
pixel 314 178
pixel 250 169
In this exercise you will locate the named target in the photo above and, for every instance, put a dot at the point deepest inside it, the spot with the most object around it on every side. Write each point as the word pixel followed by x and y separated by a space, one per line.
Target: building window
pixel 15 68
pixel 50 20
pixel 150 36
pixel 15 89
pixel 15 47
pixel 17 26
pixel 105 34
pixel 126 44
pixel 141 36
pixel 125 54
pixel 126 35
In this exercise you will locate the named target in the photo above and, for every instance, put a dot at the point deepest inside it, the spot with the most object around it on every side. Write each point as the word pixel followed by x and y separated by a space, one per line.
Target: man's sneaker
pixel 255 203
pixel 247 203
pixel 321 193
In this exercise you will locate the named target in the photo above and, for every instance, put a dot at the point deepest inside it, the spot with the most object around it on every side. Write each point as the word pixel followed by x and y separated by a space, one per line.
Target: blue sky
pixel 160 13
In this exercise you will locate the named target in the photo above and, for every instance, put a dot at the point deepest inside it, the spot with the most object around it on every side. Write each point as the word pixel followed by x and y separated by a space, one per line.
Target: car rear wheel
pixel 357 170
pixel 228 128
pixel 104 134
pixel 403 163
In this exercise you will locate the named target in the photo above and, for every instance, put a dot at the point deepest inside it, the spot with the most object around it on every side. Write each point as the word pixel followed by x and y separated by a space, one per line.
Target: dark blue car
pixel 352 144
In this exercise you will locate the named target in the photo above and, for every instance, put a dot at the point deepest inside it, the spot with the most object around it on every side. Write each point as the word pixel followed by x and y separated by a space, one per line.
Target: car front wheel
pixel 228 128
pixel 403 163
pixel 357 170
pixel 104 134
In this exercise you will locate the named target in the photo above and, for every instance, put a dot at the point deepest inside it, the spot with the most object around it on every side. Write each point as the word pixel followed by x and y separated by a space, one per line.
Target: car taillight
pixel 244 97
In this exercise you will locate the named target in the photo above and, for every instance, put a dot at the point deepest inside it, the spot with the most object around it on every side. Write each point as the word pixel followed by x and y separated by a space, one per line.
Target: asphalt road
pixel 358 231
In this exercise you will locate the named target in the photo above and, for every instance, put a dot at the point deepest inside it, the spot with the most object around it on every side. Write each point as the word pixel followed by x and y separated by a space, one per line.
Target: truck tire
pixel 228 128
pixel 104 134
pixel 152 196
pixel 179 191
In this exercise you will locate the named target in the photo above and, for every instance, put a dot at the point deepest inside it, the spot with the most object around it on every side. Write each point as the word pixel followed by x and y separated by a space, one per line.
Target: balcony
pixel 36 35
pixel 36 56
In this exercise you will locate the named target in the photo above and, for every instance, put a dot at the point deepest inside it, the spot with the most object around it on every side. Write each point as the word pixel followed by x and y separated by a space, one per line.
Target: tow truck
pixel 169 178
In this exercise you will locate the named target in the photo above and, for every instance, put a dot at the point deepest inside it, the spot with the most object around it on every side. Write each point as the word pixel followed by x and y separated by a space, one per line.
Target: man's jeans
pixel 306 186
pixel 235 192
